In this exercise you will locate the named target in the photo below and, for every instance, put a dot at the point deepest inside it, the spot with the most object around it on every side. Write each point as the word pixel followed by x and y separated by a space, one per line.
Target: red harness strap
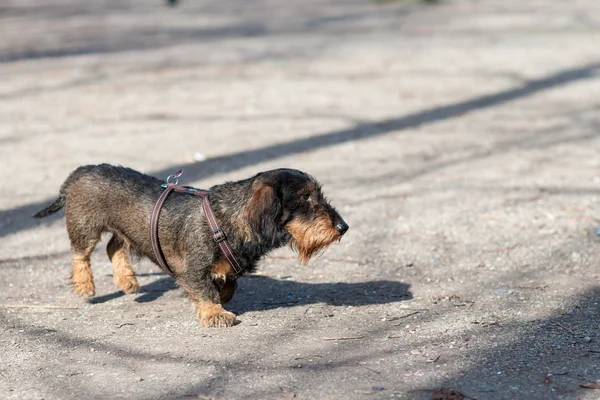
pixel 217 232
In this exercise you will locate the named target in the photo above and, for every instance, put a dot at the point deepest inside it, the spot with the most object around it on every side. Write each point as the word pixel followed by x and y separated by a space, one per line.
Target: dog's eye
pixel 306 196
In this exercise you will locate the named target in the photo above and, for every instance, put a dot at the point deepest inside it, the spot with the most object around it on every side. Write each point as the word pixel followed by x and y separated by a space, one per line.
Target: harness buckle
pixel 219 235
pixel 174 177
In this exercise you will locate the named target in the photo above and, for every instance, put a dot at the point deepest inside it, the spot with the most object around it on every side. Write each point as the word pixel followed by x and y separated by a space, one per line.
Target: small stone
pixel 587 339
pixel 378 388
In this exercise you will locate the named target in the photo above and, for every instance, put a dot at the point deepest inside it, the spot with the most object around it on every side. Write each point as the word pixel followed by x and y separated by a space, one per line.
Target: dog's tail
pixel 62 196
pixel 54 207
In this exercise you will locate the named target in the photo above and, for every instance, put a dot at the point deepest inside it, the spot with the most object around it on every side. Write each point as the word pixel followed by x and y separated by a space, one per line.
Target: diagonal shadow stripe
pixel 19 218
pixel 234 161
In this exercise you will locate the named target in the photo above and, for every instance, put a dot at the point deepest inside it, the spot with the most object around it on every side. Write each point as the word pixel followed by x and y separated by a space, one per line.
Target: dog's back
pixel 89 184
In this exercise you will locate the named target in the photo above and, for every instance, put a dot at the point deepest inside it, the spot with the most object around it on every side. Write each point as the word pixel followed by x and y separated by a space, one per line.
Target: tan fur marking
pixel 309 238
pixel 123 273
pixel 242 223
pixel 221 270
pixel 214 315
pixel 259 203
pixel 82 277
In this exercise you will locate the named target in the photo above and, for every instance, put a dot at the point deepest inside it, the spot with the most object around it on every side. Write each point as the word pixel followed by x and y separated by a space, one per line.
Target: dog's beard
pixel 311 238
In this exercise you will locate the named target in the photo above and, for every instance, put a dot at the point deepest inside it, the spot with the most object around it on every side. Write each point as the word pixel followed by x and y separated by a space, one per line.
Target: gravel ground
pixel 459 140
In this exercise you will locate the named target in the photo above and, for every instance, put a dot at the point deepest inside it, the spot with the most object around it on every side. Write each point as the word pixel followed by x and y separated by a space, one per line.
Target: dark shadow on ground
pixel 259 293
pixel 141 39
pixel 231 162
pixel 19 218
pixel 556 345
pixel 520 144
pixel 99 34
pixel 564 345
pixel 149 292
pixel 552 358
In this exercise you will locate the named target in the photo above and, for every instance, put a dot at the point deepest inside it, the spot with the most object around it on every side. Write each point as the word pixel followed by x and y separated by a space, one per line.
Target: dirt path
pixel 460 141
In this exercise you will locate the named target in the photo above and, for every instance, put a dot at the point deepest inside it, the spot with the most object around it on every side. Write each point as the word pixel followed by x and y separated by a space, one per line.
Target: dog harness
pixel 218 234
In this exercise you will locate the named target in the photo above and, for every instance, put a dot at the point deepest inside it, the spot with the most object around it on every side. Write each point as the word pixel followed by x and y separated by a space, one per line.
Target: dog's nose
pixel 341 227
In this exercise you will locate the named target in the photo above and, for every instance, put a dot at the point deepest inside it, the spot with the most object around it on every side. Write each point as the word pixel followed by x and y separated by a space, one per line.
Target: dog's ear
pixel 263 212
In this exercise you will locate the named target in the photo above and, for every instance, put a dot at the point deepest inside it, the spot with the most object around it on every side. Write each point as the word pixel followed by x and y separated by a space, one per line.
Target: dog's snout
pixel 341 227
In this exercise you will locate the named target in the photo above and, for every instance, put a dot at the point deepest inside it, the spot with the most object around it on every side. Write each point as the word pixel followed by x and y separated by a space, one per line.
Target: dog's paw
pixel 84 289
pixel 128 284
pixel 216 316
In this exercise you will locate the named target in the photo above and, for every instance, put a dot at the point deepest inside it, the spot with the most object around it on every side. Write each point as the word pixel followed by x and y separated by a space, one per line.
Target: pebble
pixel 587 339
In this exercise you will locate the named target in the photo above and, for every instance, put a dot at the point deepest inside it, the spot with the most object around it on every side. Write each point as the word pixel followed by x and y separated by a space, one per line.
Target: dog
pixel 257 215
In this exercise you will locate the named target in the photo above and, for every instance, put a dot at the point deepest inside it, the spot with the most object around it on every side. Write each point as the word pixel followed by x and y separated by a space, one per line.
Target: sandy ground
pixel 459 140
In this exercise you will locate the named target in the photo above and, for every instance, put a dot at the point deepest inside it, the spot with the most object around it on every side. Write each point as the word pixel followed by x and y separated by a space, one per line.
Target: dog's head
pixel 287 205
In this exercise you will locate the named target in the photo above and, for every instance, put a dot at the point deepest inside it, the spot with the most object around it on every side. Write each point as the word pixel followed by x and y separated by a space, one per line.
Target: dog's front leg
pixel 213 315
pixel 207 299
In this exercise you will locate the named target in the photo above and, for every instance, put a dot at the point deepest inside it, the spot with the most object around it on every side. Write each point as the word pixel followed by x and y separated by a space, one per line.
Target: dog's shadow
pixel 259 293
pixel 148 293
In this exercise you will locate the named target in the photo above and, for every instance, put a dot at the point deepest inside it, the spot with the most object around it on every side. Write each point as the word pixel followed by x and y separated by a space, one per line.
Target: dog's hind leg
pixel 123 274
pixel 83 241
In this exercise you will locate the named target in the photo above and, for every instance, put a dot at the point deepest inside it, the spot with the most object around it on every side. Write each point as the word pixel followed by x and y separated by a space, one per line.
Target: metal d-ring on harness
pixel 217 232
